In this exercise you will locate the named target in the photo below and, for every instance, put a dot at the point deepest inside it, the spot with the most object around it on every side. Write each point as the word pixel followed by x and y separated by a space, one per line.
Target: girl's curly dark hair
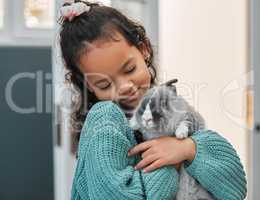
pixel 100 22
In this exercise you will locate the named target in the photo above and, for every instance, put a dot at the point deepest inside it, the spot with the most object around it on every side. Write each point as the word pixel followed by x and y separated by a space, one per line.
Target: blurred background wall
pixel 26 136
pixel 206 46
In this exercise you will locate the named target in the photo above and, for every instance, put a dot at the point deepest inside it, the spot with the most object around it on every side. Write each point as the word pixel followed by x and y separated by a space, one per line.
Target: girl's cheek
pixel 102 95
pixel 146 76
pixel 106 95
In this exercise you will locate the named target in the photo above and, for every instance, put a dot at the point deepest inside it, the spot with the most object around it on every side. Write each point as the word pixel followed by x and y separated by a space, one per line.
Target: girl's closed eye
pixel 132 69
pixel 104 86
pixel 107 85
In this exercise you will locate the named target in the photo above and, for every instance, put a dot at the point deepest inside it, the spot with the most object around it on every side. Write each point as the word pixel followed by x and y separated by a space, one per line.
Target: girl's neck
pixel 127 110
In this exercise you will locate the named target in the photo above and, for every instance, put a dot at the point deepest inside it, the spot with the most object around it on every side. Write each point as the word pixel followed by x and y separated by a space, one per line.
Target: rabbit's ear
pixel 173 88
pixel 170 84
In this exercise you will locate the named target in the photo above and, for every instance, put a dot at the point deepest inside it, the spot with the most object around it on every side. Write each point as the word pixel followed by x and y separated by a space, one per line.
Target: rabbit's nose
pixel 147 116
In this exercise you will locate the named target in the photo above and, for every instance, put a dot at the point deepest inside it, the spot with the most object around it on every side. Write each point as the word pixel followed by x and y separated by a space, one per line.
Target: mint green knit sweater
pixel 104 171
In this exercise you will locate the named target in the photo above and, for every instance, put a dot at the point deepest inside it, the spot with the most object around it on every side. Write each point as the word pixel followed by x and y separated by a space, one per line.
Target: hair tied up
pixel 72 9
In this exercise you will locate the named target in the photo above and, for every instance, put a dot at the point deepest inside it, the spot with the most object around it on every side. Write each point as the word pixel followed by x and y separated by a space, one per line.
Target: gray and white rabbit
pixel 161 112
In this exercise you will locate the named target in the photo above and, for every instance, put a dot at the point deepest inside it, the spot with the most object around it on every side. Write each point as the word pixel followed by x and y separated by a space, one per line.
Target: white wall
pixel 205 45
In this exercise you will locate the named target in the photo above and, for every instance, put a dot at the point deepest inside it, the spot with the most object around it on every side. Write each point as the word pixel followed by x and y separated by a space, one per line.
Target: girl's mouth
pixel 131 98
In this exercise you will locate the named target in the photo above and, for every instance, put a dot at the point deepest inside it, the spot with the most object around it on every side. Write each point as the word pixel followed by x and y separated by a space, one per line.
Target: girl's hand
pixel 162 151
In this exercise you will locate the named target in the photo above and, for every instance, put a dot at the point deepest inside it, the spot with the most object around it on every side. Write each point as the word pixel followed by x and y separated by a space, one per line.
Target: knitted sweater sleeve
pixel 217 166
pixel 110 171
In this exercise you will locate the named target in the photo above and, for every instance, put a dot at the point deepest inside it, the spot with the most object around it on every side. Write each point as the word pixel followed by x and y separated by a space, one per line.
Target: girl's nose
pixel 126 89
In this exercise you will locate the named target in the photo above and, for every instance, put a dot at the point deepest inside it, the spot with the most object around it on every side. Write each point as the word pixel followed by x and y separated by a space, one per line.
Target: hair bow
pixel 73 10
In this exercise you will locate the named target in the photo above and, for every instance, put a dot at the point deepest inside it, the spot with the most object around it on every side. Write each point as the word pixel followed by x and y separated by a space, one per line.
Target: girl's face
pixel 115 70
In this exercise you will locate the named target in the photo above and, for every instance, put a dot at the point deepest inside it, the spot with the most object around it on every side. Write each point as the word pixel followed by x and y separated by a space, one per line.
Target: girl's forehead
pixel 107 57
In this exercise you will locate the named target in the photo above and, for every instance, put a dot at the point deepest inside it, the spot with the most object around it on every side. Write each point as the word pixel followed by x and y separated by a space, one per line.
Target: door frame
pixel 255 136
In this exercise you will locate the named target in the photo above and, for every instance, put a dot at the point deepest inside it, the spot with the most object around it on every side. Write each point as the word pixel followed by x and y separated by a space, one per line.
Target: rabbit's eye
pixel 141 110
pixel 156 115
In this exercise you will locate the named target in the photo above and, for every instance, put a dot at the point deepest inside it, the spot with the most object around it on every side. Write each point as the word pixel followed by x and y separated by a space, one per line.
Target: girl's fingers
pixel 155 165
pixel 139 148
pixel 146 153
pixel 146 161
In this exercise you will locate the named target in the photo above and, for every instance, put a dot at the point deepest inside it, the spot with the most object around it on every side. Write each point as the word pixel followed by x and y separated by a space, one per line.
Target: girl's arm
pixel 209 158
pixel 217 166
pixel 108 171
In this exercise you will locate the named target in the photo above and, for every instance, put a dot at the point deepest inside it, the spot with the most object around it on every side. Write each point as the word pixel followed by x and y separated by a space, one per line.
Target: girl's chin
pixel 128 108
pixel 130 104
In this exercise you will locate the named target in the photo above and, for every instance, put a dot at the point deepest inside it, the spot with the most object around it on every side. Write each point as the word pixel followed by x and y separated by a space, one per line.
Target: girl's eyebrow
pixel 122 67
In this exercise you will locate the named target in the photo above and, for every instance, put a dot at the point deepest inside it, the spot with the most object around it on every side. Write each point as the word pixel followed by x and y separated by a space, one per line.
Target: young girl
pixel 110 61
